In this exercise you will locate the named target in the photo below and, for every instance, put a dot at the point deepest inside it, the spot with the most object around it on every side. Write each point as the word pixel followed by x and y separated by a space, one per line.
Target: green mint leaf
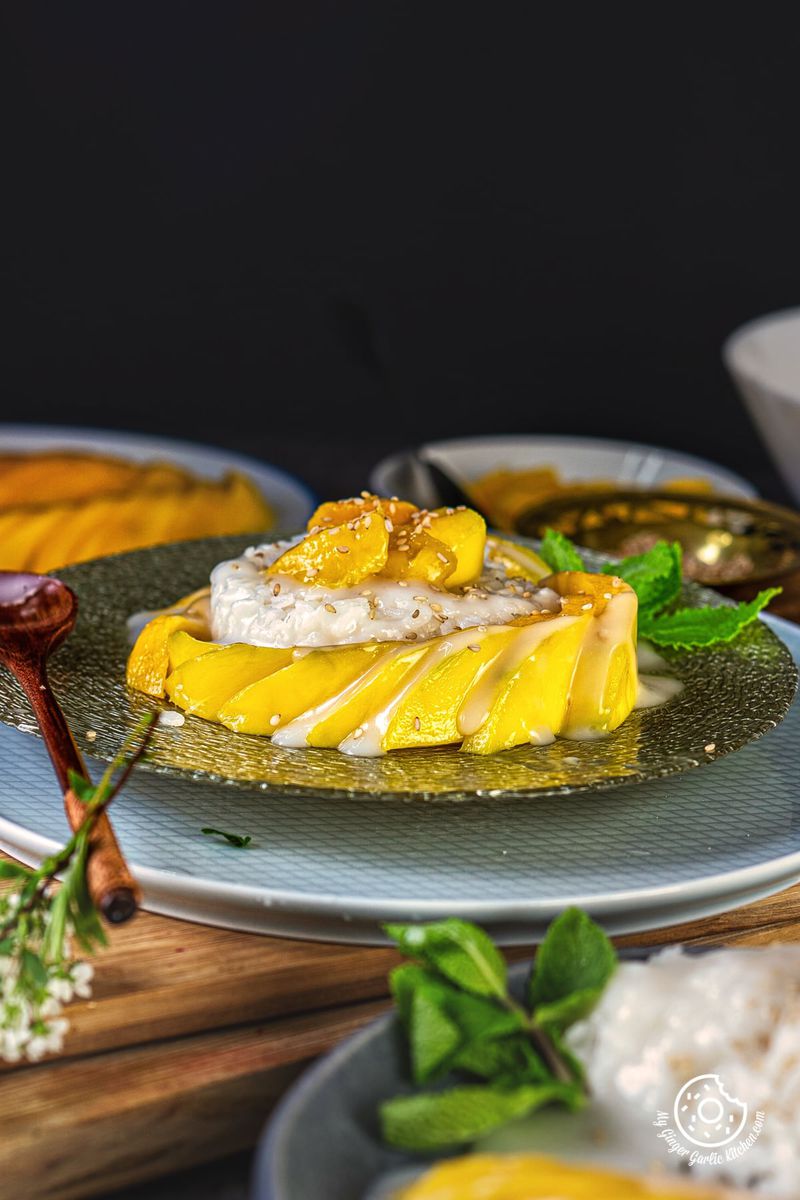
pixel 83 788
pixel 446 1025
pixel 558 1015
pixel 233 839
pixel 690 627
pixel 89 932
pixel 507 1060
pixel 433 1037
pixel 462 952
pixel 575 956
pixel 432 1120
pixel 654 576
pixel 12 870
pixel 559 552
pixel 7 946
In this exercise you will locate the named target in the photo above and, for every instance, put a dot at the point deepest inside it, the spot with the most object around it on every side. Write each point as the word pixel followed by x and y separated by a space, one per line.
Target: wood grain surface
pixel 193 1033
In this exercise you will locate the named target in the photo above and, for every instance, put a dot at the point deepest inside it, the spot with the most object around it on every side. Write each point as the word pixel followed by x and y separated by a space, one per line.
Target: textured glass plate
pixel 732 694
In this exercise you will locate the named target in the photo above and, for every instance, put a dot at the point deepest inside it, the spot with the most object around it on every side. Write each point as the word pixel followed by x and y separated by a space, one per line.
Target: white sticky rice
pixel 275 610
pixel 730 1013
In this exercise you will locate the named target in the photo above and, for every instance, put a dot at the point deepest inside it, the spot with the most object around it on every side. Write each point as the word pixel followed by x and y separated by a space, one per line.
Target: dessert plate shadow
pixel 732 694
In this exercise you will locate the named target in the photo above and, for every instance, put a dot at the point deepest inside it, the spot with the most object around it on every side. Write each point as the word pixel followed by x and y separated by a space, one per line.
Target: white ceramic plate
pixel 637 857
pixel 289 498
pixel 576 458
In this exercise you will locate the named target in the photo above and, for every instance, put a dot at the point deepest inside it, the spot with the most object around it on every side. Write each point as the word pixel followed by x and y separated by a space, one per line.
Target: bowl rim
pixel 734 341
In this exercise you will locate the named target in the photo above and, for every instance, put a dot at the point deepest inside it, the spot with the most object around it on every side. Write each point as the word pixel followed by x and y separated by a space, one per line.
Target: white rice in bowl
pixel 729 1013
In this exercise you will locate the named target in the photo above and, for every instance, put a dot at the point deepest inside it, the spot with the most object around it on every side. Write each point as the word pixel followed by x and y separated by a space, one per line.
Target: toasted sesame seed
pixel 421 599
pixel 276 591
pixel 417 723
pixel 275 719
pixel 585 607
pixel 366 495
pixel 606 595
pixel 411 637
pixel 91 735
pixel 358 732
pixel 710 747
pixel 367 592
pixel 415 614
pixel 329 608
pixel 474 646
pixel 402 583
pixel 437 608
pixel 440 618
pixel 366 522
pixel 343 549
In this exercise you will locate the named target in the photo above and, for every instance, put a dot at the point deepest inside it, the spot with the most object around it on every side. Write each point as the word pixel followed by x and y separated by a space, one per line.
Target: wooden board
pixel 193 1033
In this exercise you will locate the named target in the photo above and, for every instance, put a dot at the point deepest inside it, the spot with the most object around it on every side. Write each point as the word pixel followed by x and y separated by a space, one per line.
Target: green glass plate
pixel 732 694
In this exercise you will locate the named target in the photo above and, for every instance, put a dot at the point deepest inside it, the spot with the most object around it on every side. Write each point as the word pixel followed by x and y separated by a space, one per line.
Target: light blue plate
pixel 636 857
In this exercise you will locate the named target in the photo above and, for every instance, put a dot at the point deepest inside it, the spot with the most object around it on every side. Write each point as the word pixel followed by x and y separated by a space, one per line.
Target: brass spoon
pixel 726 540
pixel 36 615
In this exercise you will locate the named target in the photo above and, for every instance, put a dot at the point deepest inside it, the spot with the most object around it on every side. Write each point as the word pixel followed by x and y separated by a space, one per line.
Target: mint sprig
pixel 459 1016
pixel 688 628
pixel 656 578
pixel 559 552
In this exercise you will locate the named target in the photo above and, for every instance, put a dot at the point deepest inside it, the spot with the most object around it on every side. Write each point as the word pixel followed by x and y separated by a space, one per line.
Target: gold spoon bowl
pixel 725 540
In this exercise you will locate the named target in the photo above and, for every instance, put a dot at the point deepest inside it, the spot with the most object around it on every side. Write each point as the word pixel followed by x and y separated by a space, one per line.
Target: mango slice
pixel 428 712
pixel 517 561
pixel 369 696
pixel 182 646
pixel 339 512
pixel 204 684
pixel 149 662
pixel 464 533
pixel 339 556
pixel 269 703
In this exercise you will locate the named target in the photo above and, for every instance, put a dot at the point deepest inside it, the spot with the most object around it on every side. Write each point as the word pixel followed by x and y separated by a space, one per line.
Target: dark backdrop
pixel 320 231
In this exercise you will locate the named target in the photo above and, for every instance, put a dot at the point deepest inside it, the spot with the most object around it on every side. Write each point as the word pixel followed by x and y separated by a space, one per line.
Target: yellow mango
pixel 202 685
pixel 339 512
pixel 374 691
pixel 294 688
pixel 417 555
pixel 428 712
pixel 523 697
pixel 464 533
pixel 340 556
pixel 148 662
pixel 516 560
pixel 182 646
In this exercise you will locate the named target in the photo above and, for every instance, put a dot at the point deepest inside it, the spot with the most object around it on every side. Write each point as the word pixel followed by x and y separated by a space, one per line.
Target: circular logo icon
pixel 706 1115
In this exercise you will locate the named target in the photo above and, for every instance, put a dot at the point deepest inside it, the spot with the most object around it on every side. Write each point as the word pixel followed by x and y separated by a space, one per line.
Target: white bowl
pixel 763 358
pixel 465 459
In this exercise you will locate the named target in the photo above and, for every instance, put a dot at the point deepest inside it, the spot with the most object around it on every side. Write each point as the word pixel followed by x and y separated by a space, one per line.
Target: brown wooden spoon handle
pixel 112 888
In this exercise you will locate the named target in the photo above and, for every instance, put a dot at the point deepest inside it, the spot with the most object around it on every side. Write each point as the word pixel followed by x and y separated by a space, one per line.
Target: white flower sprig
pixel 40 923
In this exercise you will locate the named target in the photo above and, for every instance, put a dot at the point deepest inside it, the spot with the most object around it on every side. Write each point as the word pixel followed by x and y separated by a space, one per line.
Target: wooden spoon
pixel 36 615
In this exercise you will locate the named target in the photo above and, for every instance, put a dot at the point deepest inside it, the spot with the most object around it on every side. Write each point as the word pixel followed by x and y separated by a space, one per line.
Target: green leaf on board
pixel 233 839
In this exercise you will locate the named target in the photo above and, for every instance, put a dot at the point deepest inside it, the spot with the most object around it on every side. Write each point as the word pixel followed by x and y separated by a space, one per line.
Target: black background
pixel 318 232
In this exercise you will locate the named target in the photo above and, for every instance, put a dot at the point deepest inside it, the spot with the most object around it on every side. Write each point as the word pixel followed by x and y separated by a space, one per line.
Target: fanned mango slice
pixel 427 714
pixel 370 696
pixel 148 662
pixel 525 694
pixel 182 646
pixel 340 556
pixel 204 684
pixel 319 675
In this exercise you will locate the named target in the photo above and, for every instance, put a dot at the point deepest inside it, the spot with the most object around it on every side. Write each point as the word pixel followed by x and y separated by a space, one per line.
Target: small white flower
pixel 36 1048
pixel 60 989
pixel 82 974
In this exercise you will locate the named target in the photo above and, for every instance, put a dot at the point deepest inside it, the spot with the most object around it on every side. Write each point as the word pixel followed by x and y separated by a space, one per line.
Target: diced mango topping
pixel 339 556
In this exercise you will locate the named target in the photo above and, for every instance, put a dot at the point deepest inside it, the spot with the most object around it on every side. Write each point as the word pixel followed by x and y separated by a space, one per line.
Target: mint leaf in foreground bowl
pixel 432 1120
pixel 461 952
pixel 575 957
